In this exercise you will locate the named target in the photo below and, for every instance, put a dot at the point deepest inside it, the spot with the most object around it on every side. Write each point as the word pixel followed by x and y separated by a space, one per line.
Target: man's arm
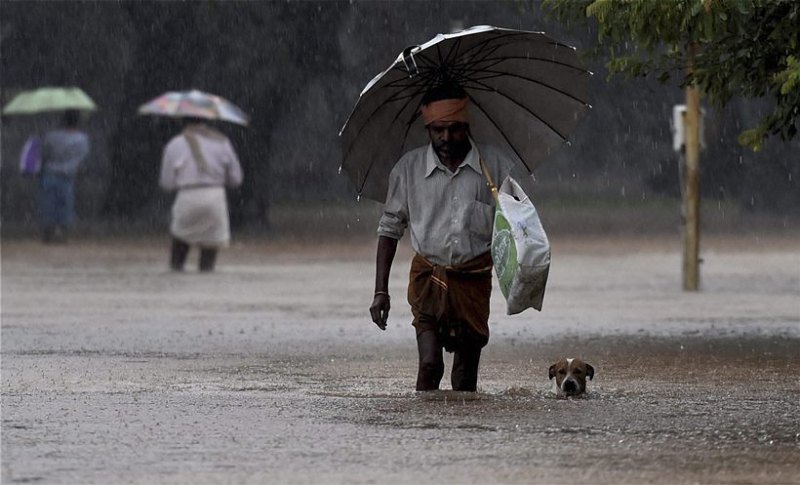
pixel 379 310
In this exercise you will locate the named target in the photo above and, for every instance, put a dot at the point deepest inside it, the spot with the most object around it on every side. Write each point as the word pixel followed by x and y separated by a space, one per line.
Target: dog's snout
pixel 570 386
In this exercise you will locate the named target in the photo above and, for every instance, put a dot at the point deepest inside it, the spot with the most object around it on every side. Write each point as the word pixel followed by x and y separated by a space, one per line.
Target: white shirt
pixel 450 214
pixel 180 169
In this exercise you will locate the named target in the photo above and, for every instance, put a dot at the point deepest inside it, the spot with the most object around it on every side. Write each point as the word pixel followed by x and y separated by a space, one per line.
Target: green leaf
pixel 753 138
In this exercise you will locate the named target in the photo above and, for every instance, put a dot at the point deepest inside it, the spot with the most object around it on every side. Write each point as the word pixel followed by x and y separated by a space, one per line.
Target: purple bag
pixel 30 160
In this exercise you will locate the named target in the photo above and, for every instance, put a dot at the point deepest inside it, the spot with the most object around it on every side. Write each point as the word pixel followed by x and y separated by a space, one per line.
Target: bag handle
pixel 197 153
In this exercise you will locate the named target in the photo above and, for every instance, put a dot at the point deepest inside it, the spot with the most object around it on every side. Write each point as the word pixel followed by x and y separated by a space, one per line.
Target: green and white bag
pixel 520 248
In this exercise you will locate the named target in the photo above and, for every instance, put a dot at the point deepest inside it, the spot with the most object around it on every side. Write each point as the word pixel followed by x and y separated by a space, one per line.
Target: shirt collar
pixel 432 161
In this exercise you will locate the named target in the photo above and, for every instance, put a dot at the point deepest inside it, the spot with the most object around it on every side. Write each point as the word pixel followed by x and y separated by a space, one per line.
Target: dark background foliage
pixel 297 68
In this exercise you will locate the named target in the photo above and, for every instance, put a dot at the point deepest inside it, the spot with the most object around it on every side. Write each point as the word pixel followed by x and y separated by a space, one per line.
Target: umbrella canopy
pixel 194 104
pixel 49 99
pixel 527 92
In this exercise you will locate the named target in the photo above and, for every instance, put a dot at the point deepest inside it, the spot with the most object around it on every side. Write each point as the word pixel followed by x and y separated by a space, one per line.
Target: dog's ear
pixel 552 371
pixel 590 371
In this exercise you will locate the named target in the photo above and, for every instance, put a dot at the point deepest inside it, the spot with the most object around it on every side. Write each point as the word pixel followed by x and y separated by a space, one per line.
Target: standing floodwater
pixel 115 370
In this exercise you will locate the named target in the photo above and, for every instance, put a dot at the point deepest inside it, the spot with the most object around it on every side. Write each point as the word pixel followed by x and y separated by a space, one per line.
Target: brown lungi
pixel 452 300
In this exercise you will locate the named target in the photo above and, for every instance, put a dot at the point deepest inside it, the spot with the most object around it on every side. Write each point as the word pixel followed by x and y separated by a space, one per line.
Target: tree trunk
pixel 691 181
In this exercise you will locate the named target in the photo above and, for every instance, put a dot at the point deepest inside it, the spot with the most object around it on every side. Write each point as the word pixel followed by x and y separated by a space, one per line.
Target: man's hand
pixel 379 310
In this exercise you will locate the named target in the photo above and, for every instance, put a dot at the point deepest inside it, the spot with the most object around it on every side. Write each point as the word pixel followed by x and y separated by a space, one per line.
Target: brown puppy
pixel 570 376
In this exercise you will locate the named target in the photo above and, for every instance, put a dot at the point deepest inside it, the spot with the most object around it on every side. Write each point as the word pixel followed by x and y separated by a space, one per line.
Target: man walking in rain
pixel 63 151
pixel 439 192
pixel 199 163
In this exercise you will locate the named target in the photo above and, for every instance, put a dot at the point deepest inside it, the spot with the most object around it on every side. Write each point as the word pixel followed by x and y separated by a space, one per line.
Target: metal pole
pixel 691 202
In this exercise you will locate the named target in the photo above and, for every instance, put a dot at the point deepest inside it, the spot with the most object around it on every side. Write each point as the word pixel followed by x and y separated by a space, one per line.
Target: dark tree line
pixel 297 69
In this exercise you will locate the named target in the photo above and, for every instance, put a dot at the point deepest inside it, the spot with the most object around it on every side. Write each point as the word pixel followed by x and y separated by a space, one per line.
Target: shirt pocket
pixel 481 220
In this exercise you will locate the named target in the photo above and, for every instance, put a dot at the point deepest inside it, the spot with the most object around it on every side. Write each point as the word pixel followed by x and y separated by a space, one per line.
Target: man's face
pixel 450 139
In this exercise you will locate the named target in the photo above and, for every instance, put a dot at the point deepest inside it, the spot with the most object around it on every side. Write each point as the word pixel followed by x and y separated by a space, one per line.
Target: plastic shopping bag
pixel 520 249
pixel 30 158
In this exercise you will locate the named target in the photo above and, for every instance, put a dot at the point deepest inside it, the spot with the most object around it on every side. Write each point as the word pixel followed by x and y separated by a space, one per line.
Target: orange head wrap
pixel 445 110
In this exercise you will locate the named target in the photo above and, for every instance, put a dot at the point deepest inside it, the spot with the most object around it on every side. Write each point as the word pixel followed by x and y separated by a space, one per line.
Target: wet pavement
pixel 116 371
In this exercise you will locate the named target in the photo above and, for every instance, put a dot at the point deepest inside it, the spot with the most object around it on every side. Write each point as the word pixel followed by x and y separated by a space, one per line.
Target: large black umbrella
pixel 526 90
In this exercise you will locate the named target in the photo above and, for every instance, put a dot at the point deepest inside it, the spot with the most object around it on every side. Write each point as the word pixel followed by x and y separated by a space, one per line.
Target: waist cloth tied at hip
pixel 452 300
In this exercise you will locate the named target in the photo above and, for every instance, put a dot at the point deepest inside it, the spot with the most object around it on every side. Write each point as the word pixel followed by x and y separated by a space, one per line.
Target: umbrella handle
pixel 411 67
pixel 489 181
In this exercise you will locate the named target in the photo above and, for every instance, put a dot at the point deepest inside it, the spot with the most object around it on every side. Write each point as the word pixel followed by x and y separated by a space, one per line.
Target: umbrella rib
pixel 396 96
pixel 434 68
pixel 405 135
pixel 534 81
pixel 397 115
pixel 372 162
pixel 411 82
pixel 480 46
pixel 477 53
pixel 505 137
pixel 417 84
pixel 453 54
pixel 467 70
pixel 470 60
pixel 500 93
pixel 456 70
pixel 447 60
pixel 403 84
pixel 498 60
pixel 485 49
pixel 481 49
pixel 508 36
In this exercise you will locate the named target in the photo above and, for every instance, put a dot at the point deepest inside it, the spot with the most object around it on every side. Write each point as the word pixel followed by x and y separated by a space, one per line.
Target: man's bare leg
pixel 178 254
pixel 431 361
pixel 464 376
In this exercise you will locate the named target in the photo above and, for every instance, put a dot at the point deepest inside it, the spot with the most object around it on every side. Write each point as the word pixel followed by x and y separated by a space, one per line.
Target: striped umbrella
pixel 194 104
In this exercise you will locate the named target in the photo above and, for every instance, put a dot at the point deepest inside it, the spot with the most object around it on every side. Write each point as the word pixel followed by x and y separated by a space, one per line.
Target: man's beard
pixel 452 149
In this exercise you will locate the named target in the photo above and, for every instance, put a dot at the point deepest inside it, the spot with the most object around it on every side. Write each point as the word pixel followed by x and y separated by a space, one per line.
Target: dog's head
pixel 570 376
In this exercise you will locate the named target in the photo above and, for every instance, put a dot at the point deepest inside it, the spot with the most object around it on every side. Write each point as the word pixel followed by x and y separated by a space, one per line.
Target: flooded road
pixel 116 371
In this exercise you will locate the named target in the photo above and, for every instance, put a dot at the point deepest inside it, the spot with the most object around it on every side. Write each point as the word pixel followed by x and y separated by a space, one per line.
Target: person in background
pixel 199 164
pixel 63 151
pixel 439 193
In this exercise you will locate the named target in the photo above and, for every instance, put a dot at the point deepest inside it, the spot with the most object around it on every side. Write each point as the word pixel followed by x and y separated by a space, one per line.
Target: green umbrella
pixel 49 99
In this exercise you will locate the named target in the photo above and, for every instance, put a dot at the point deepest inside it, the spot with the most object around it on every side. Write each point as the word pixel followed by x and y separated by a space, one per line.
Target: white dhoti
pixel 200 216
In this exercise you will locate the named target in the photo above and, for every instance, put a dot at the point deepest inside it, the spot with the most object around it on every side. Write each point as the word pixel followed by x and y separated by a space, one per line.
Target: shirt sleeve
pixel 394 220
